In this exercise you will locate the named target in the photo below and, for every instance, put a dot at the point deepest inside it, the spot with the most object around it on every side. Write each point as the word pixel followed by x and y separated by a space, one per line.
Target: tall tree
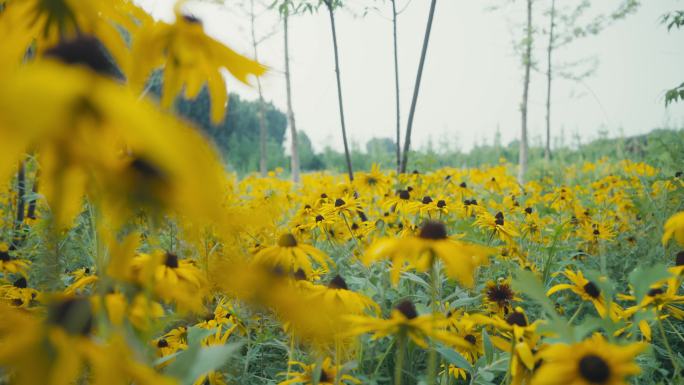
pixel 549 53
pixel 262 121
pixel 396 82
pixel 566 24
pixel 416 88
pixel 294 158
pixel 527 65
pixel 331 5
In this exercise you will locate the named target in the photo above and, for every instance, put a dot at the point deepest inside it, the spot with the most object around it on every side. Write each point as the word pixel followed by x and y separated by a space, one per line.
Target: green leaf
pixel 197 360
pixel 488 347
pixel 455 358
pixel 526 282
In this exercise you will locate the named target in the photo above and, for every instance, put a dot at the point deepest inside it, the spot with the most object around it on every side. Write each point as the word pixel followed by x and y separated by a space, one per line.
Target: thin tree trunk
pixel 547 149
pixel 347 156
pixel 31 212
pixel 260 115
pixel 396 82
pixel 412 111
pixel 294 158
pixel 21 197
pixel 522 160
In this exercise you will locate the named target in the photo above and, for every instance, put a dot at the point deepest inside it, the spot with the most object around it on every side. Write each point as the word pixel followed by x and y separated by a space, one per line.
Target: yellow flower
pixel 338 296
pixel 496 225
pixel 172 279
pixel 460 258
pixel 290 255
pixel 405 321
pixel 190 58
pixel 583 287
pixel 93 136
pixel 330 374
pixel 9 264
pixel 674 228
pixel 44 23
pixel 591 362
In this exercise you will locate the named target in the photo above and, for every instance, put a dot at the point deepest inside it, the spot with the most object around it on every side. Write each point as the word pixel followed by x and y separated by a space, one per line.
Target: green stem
pixel 579 308
pixel 400 354
pixel 382 359
pixel 667 345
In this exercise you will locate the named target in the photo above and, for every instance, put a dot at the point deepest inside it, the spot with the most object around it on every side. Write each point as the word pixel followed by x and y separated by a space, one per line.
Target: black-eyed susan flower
pixel 496 225
pixel 339 296
pixel 11 265
pixel 173 279
pixel 498 296
pixel 405 321
pixel 432 243
pixel 590 362
pixel 674 228
pixel 45 23
pixel 290 255
pixel 190 59
pixel 330 374
pixel 586 289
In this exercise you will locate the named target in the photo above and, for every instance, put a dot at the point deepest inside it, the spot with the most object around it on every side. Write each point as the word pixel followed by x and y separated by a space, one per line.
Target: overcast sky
pixel 472 77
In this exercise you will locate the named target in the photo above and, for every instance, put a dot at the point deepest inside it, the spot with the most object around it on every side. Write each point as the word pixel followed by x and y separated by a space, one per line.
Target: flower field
pixel 130 255
pixel 456 276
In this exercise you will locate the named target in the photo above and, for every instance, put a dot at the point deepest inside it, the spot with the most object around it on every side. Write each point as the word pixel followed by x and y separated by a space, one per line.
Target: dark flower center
pixel 679 259
pixel 192 19
pixel 463 185
pixel 592 290
pixel 426 200
pixel 146 169
pixel 500 293
pixel 371 181
pixel 516 318
pixel 433 230
pixel 471 338
pixel 86 51
pixel 74 315
pixel 17 302
pixel 441 203
pixel 319 218
pixel 499 219
pixel 324 196
pixel 171 261
pixel 4 256
pixel 338 283
pixel 407 309
pixel 404 194
pixel 324 376
pixel 20 283
pixel 594 369
pixel 162 343
pixel 529 210
pixel 656 291
pixel 339 202
pixel 300 275
pixel 287 240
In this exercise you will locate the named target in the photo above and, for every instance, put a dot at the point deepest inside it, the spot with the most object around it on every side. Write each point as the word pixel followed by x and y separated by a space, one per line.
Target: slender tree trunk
pixel 549 51
pixel 32 203
pixel 260 115
pixel 294 158
pixel 412 111
pixel 347 156
pixel 396 82
pixel 21 196
pixel 527 59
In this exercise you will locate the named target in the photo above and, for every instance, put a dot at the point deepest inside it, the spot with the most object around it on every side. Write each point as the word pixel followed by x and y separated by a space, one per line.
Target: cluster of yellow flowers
pixel 145 262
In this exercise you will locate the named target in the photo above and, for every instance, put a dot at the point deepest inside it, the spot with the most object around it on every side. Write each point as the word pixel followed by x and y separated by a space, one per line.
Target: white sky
pixel 472 77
